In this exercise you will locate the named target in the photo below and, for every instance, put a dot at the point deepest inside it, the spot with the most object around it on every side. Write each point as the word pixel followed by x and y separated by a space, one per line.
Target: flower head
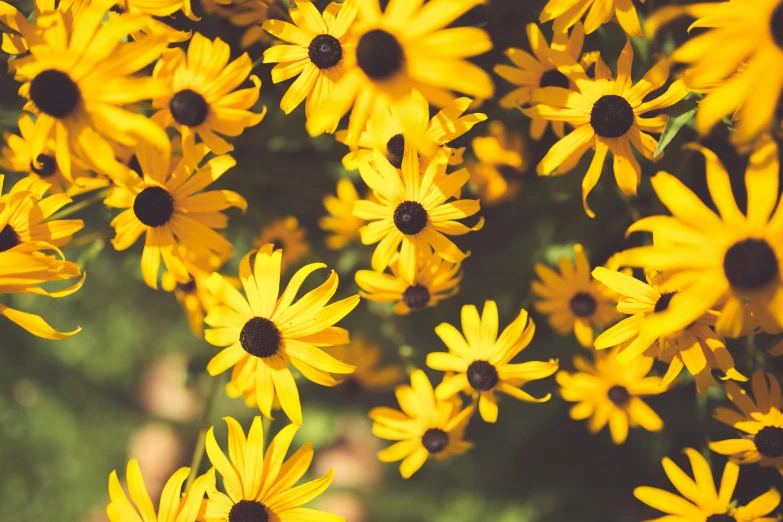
pixel 566 13
pixel 285 234
pixel 502 162
pixel 341 224
pixel 369 375
pixel 243 13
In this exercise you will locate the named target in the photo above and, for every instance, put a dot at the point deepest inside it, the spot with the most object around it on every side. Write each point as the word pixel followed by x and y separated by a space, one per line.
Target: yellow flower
pixel 78 75
pixel 285 234
pixel 412 211
pixel 21 270
pixel 695 347
pixel 262 486
pixel 404 48
pixel 202 98
pixel 387 131
pixel 243 13
pixel 761 419
pixel 162 203
pixel 573 300
pixel 174 506
pixel 16 155
pixel 433 282
pixel 319 43
pixel 607 392
pixel 342 225
pixel 700 502
pixel 426 427
pixel 538 70
pixel 25 213
pixel 369 375
pixel 501 164
pixel 161 8
pixel 607 115
pixel 481 359
pixel 724 260
pixel 566 13
pixel 263 333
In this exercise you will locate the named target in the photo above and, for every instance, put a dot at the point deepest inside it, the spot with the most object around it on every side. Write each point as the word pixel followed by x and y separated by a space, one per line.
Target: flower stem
pixel 73 209
pixel 198 453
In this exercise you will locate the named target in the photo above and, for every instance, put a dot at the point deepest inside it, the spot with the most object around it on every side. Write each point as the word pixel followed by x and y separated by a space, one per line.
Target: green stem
pixel 198 453
pixel 6 29
pixel 266 425
pixel 73 209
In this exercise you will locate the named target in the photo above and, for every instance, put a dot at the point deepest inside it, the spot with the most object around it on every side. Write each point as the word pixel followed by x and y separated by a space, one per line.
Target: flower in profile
pixel 387 131
pixel 316 54
pixel 501 164
pixel 202 98
pixel 248 14
pixel 607 392
pixel 341 225
pixel 566 13
pixel 285 234
pixel 17 156
pixel 22 270
pixel 573 300
pixel 165 203
pixel 160 8
pixel 482 361
pixel 730 261
pixel 261 486
pixel 761 419
pixel 405 47
pixel 369 375
pixel 412 211
pixel 427 427
pixel 175 505
pixel 695 347
pixel 265 331
pixel 608 115
pixel 77 76
pixel 700 502
pixel 537 70
pixel 433 282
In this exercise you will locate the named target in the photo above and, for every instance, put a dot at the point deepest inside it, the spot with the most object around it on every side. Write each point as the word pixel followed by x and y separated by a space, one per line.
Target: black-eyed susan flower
pixel 537 70
pixel 314 51
pixel 608 116
pixel 341 225
pixel 426 427
pixel 481 359
pixel 370 374
pixel 501 163
pixel 573 300
pixel 286 234
pixel 609 393
pixel 160 8
pixel 174 506
pixel 435 281
pixel 412 211
pixel 696 347
pixel 77 77
pixel 22 270
pixel 405 47
pixel 16 156
pixel 261 486
pixel 566 13
pixel 202 98
pixel 387 130
pixel 700 501
pixel 166 205
pixel 759 417
pixel 266 330
pixel 249 14
pixel 729 260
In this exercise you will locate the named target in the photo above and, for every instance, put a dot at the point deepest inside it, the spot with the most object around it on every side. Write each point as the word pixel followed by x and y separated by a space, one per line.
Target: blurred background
pixel 132 383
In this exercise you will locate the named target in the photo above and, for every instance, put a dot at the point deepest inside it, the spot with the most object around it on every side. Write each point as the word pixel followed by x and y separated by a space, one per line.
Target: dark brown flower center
pixel 395 150
pixel 482 376
pixel 189 108
pixel 325 51
pixel 582 304
pixel 188 287
pixel 410 217
pixel 554 78
pixel 750 264
pixel 416 297
pixel 663 302
pixel 55 93
pixel 769 441
pixel 154 206
pixel 776 25
pixel 8 238
pixel 618 395
pixel 260 337
pixel 379 54
pixel 47 168
pixel 612 116
pixel 248 511
pixel 435 440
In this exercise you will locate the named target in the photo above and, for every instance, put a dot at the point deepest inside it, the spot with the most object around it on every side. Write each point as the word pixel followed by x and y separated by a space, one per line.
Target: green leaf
pixel 680 113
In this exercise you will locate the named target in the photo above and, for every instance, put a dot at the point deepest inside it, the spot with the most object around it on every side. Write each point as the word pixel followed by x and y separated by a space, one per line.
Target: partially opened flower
pixel 481 360
pixel 426 427
pixel 175 505
pixel 501 164
pixel 286 234
pixel 249 14
pixel 265 331
pixel 566 13
pixel 165 203
pixel 261 485
pixel 341 225
pixel 370 373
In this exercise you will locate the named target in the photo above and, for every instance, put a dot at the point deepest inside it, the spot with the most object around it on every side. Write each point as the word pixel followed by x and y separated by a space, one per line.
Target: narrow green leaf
pixel 679 114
